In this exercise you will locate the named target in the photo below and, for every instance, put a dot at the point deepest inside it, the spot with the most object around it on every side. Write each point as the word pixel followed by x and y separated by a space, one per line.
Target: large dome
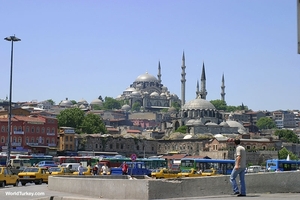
pixel 198 104
pixel 146 78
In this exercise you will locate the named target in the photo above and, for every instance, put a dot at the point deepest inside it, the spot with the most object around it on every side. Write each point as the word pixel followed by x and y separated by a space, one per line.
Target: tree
pixel 136 106
pixel 176 105
pixel 181 129
pixel 93 124
pixel 287 135
pixel 283 154
pixel 73 102
pixel 219 104
pixel 51 102
pixel 110 104
pixel 71 117
pixel 265 123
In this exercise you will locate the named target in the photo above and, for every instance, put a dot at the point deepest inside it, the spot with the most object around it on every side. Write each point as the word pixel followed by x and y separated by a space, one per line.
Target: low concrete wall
pixel 120 187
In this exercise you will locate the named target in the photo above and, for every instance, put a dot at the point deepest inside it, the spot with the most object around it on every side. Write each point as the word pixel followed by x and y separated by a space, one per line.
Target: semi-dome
pixel 154 94
pixel 190 122
pixel 198 104
pixel 232 123
pixel 130 89
pixel 224 124
pixel 198 122
pixel 96 102
pixel 136 93
pixel 125 107
pixel 82 101
pixel 66 103
pixel 146 78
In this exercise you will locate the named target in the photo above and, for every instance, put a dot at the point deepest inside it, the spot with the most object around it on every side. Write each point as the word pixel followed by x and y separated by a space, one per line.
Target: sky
pixel 83 49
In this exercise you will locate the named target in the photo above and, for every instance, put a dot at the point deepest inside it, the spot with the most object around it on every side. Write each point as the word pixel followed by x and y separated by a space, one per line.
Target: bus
pixel 88 160
pixel 33 159
pixel 150 163
pixel 282 165
pixel 221 166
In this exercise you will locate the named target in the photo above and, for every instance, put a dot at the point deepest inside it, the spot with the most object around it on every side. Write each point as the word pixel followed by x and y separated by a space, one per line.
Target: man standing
pixel 239 169
pixel 124 168
pixel 80 169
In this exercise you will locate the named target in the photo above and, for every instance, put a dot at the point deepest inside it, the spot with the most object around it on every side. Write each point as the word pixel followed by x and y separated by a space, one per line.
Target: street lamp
pixel 11 39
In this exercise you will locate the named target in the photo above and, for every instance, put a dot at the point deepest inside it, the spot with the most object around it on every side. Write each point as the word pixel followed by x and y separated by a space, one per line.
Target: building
pixel 66 139
pixel 30 134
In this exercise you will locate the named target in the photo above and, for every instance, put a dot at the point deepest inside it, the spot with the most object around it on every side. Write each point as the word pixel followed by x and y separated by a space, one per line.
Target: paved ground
pixel 21 193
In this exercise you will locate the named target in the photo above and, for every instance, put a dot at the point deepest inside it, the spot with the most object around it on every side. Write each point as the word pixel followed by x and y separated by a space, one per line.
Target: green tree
pixel 164 110
pixel 73 102
pixel 93 124
pixel 287 135
pixel 51 101
pixel 219 104
pixel 136 106
pixel 71 117
pixel 231 108
pixel 265 123
pixel 176 105
pixel 96 107
pixel 181 129
pixel 283 154
pixel 111 103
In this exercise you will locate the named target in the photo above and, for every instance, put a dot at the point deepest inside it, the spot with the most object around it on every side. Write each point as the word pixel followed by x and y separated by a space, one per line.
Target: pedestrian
pixel 124 168
pixel 239 169
pixel 104 169
pixel 80 169
pixel 95 170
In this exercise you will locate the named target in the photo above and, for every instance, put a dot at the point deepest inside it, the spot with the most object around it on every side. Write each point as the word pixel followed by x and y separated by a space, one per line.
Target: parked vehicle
pixel 59 171
pixel 209 172
pixel 86 171
pixel 254 169
pixel 72 166
pixel 282 165
pixel 37 175
pixel 7 177
pixel 189 173
pixel 165 173
pixel 134 168
pixel 47 164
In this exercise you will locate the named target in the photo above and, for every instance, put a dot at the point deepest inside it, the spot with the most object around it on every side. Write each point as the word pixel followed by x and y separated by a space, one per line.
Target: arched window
pixel 37 129
pixel 27 139
pixel 43 130
pixel 2 128
pixel 19 140
pixel 14 140
pixel 32 129
pixel 27 129
pixel 53 130
pixel 48 130
pixel 2 139
pixel 32 140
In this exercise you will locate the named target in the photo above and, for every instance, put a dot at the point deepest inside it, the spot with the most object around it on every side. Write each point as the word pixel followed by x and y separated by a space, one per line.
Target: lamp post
pixel 11 39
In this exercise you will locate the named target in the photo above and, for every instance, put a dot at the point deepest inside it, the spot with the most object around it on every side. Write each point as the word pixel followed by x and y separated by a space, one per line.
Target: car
pixel 7 177
pixel 254 169
pixel 47 164
pixel 164 173
pixel 59 171
pixel 37 175
pixel 209 172
pixel 86 171
pixel 189 173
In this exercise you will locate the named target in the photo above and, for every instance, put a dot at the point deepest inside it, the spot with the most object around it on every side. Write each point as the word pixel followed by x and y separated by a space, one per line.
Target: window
pixel 32 140
pixel 37 129
pixel 19 140
pixel 27 129
pixel 2 139
pixel 71 147
pixel 53 141
pixel 67 147
pixel 32 129
pixel 53 130
pixel 66 138
pixel 15 128
pixel 47 140
pixel 110 146
pixel 2 128
pixel 20 128
pixel 71 139
pixel 43 129
pixel 48 130
pixel 27 139
pixel 14 140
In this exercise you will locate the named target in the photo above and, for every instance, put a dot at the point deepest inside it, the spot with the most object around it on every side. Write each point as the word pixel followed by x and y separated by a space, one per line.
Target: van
pixel 47 164
pixel 254 169
pixel 72 166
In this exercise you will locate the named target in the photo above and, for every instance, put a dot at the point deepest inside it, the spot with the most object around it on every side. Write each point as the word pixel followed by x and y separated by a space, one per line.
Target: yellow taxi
pixel 209 172
pixel 86 171
pixel 7 177
pixel 59 171
pixel 37 175
pixel 164 173
pixel 189 173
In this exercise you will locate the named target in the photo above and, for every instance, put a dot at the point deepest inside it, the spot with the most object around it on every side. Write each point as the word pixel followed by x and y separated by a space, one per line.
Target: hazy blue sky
pixel 82 49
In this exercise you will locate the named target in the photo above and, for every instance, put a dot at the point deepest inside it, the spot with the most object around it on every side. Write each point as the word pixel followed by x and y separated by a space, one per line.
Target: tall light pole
pixel 11 39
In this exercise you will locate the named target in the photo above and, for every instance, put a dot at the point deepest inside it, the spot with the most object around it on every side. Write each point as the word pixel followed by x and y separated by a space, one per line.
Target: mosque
pixel 199 115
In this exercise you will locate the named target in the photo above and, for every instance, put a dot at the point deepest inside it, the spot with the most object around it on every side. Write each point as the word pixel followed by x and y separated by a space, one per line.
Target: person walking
pixel 124 168
pixel 80 169
pixel 239 169
pixel 104 169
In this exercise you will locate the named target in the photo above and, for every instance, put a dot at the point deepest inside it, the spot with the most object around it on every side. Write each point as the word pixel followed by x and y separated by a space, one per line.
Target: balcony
pixel 52 144
pixel 32 144
pixel 19 132
pixel 50 133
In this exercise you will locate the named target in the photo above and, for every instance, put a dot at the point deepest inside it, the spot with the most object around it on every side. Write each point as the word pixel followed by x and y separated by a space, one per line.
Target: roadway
pixel 41 192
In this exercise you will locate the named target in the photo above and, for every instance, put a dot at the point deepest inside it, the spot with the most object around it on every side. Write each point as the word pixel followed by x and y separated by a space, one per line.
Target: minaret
pixel 159 73
pixel 197 91
pixel 203 91
pixel 183 80
pixel 223 89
